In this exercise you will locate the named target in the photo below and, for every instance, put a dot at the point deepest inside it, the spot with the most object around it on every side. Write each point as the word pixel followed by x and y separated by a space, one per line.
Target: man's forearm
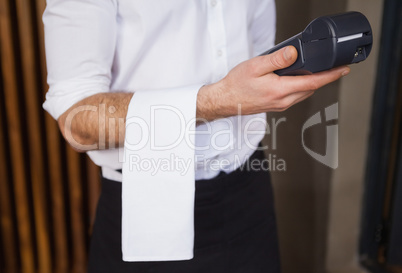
pixel 96 122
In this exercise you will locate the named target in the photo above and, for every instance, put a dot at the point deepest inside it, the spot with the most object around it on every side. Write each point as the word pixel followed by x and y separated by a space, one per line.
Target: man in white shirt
pixel 101 52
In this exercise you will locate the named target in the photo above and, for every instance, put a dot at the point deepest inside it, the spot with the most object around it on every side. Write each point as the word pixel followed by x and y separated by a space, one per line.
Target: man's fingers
pixel 314 81
pixel 279 59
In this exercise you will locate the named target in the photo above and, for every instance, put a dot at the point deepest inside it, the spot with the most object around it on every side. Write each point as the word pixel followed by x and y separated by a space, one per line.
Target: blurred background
pixel 347 219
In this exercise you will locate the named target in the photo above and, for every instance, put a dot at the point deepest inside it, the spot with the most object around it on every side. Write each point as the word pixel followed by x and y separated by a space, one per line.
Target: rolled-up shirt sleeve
pixel 80 39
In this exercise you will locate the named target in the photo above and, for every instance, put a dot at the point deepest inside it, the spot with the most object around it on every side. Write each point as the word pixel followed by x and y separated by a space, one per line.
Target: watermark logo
pixel 330 158
pixel 231 134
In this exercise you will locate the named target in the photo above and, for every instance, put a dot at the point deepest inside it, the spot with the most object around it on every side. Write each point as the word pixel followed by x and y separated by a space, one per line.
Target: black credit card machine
pixel 327 42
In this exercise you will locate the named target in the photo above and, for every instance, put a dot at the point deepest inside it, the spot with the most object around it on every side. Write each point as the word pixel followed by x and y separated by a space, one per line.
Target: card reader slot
pixel 315 40
pixel 350 37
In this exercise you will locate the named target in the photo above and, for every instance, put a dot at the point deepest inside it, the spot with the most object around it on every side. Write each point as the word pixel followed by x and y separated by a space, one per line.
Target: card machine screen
pixel 328 42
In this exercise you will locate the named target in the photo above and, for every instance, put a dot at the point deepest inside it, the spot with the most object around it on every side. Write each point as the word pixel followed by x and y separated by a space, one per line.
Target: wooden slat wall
pixel 48 192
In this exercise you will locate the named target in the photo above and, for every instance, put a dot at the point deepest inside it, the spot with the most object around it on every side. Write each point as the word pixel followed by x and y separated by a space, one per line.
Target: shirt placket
pixel 217 34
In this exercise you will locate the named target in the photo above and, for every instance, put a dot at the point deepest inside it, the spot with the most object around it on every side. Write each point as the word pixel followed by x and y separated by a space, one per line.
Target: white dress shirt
pixel 95 46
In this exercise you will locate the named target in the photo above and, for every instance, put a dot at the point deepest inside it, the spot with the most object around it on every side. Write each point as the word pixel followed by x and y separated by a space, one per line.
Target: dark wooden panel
pixel 7 223
pixel 93 174
pixel 76 200
pixel 48 192
pixel 54 163
pixel 9 64
pixel 32 96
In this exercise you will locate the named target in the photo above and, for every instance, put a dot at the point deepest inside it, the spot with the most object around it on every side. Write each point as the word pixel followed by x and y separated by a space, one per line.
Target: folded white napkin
pixel 158 175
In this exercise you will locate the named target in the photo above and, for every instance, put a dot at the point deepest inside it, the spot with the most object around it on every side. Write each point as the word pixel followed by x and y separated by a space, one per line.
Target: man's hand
pixel 254 85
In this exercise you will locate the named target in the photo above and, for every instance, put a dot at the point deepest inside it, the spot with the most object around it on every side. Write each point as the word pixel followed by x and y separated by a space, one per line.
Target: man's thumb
pixel 282 58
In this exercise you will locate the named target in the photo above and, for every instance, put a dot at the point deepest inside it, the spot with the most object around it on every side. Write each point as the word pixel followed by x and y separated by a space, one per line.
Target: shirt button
pixel 220 53
pixel 213 3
